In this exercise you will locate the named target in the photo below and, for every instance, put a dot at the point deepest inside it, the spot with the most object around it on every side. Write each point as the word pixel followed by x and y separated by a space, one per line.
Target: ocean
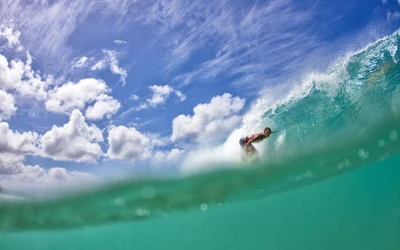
pixel 329 179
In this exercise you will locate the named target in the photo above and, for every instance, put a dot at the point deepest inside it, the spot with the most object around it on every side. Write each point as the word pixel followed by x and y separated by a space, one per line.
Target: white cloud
pixel 65 175
pixel 13 148
pixel 111 61
pixel 265 35
pixel 105 106
pixel 32 84
pixel 7 108
pixel 16 176
pixel 80 62
pixel 70 96
pixel 15 142
pixel 120 42
pixel 114 65
pixel 11 163
pixel 10 73
pixel 99 65
pixel 47 26
pixel 20 76
pixel 210 121
pixel 35 179
pixel 158 140
pixel 168 156
pixel 240 37
pixel 128 144
pixel 75 141
pixel 160 96
pixel 11 36
pixel 181 96
pixel 134 97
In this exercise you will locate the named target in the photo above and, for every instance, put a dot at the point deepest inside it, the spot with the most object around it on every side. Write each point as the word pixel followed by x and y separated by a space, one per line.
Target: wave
pixel 332 123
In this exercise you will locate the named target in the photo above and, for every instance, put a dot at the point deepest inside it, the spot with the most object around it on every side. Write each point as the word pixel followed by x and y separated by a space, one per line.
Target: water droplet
pixel 203 207
pixel 142 212
pixel 119 201
pixel 393 135
pixel 148 192
pixel 363 154
pixel 298 178
pixel 381 143
pixel 345 163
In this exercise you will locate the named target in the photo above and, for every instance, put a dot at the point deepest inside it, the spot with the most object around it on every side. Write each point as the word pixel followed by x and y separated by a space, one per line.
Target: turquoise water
pixel 329 180
pixel 357 210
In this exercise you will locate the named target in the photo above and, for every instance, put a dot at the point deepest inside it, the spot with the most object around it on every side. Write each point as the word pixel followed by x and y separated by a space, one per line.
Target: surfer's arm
pixel 254 138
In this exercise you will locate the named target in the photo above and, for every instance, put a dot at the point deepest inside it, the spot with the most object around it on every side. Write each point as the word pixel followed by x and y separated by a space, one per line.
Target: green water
pixel 357 210
pixel 329 180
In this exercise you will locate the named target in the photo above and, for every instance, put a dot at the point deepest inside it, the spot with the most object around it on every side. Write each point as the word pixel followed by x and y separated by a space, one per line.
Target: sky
pixel 102 89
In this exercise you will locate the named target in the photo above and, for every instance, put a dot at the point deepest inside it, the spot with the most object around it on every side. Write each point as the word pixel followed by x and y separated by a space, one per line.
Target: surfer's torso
pixel 257 138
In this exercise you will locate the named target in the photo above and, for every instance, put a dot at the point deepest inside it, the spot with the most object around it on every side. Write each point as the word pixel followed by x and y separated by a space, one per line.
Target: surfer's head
pixel 267 131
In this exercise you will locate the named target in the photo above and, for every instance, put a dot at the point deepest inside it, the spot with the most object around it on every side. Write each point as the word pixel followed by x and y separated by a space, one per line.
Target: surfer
pixel 246 142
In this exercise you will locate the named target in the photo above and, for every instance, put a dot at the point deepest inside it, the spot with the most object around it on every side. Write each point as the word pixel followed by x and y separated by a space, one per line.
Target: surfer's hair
pixel 267 129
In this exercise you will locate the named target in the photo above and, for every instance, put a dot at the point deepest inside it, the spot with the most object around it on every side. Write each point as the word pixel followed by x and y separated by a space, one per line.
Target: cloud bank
pixel 75 141
pixel 210 122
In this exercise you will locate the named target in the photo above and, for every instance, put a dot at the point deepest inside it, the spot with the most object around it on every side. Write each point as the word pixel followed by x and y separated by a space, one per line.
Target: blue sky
pixel 95 89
